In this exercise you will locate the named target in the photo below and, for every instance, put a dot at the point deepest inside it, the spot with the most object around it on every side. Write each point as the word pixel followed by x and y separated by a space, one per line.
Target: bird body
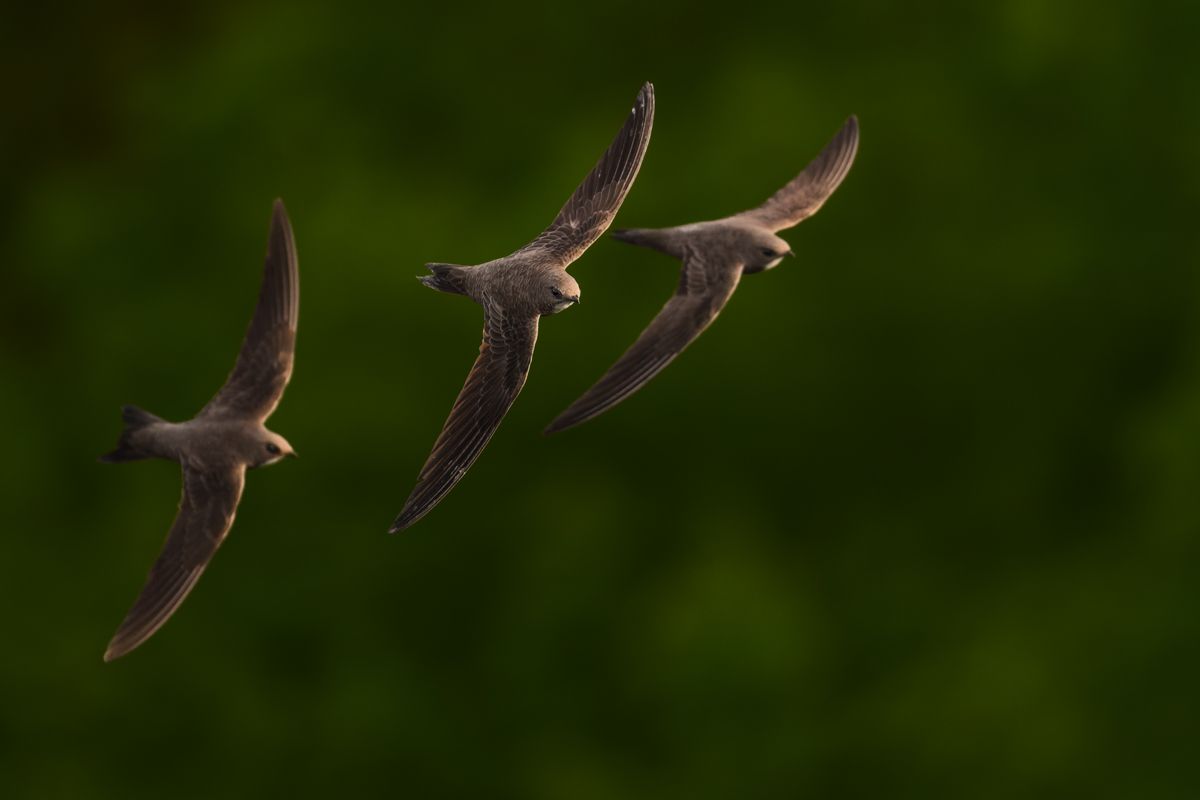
pixel 730 243
pixel 205 442
pixel 515 283
pixel 217 446
pixel 516 291
pixel 715 255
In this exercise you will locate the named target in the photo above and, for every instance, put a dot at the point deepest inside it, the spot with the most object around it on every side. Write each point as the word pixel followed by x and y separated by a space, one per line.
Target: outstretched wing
pixel 804 195
pixel 590 210
pixel 490 390
pixel 264 364
pixel 703 291
pixel 206 511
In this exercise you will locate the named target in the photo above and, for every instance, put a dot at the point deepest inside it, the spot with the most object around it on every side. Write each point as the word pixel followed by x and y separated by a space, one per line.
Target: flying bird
pixel 218 445
pixel 515 291
pixel 715 255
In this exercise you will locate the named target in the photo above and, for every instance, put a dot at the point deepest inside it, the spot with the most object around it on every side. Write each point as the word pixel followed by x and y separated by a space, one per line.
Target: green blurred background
pixel 918 517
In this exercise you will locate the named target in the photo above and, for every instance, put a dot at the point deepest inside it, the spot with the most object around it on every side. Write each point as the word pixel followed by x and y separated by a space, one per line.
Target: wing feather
pixel 264 365
pixel 804 195
pixel 590 210
pixel 491 387
pixel 703 291
pixel 206 512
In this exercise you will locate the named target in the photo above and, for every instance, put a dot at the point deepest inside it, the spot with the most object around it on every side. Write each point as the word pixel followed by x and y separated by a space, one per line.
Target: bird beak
pixel 574 299
pixel 293 454
pixel 790 253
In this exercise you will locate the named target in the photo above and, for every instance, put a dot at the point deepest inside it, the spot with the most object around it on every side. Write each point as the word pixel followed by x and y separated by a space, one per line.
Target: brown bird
pixel 217 446
pixel 715 255
pixel 515 292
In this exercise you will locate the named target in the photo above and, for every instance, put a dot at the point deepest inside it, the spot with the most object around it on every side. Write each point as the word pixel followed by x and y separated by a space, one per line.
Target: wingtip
pixel 559 425
pixel 849 128
pixel 645 100
pixel 404 520
pixel 280 221
pixel 121 644
pixel 646 97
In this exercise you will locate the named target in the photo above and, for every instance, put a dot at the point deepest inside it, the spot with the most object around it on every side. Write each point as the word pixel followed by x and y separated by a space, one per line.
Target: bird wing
pixel 702 293
pixel 590 210
pixel 206 511
pixel 491 388
pixel 264 364
pixel 804 195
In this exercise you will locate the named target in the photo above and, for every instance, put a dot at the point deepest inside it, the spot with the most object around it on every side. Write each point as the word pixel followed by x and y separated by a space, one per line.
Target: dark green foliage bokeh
pixel 918 517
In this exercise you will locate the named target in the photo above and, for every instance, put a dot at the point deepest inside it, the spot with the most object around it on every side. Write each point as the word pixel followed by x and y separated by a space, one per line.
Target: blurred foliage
pixel 917 517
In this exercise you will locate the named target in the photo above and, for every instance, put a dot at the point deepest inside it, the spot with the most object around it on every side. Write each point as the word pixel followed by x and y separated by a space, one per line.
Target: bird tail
pixel 450 278
pixel 663 240
pixel 135 419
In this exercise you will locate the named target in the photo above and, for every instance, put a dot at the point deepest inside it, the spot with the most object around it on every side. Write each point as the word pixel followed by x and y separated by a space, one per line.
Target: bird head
pixel 561 292
pixel 271 448
pixel 762 250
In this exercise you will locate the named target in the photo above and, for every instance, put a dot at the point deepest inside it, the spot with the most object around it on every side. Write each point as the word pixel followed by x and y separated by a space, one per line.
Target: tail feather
pixel 135 419
pixel 662 240
pixel 451 278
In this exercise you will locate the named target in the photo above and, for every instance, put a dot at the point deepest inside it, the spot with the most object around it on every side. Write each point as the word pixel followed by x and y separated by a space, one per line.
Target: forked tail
pixel 450 278
pixel 664 240
pixel 135 419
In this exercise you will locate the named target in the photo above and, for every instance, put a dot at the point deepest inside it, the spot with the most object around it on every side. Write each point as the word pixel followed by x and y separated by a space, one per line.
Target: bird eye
pixel 556 293
pixel 768 252
pixel 272 448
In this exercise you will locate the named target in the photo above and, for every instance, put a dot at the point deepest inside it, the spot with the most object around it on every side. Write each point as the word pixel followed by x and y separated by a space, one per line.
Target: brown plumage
pixel 216 447
pixel 715 255
pixel 515 292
